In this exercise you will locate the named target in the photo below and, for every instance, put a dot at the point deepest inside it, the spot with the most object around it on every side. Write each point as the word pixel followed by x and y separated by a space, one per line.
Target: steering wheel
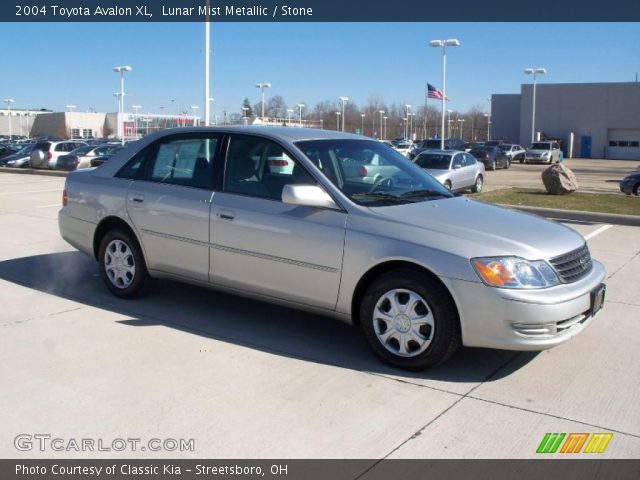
pixel 383 183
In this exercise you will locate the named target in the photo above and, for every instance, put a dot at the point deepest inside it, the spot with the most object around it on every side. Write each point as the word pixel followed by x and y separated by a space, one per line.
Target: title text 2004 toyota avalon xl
pixel 420 270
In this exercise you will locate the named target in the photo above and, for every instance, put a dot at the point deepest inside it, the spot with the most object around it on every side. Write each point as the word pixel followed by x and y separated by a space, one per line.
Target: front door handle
pixel 137 198
pixel 226 216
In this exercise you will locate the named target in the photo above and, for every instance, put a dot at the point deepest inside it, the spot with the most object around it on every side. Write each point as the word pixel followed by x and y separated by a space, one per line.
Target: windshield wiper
pixel 423 193
pixel 381 196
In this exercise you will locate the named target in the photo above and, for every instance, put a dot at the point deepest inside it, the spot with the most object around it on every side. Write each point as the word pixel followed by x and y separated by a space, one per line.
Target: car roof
pixel 286 134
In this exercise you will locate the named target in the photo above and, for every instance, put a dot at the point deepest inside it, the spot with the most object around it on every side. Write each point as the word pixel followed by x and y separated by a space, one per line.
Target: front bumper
pixel 524 319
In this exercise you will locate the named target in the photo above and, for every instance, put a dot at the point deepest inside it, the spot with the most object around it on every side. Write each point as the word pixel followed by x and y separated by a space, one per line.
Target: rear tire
pixel 636 190
pixel 122 265
pixel 424 331
pixel 508 165
pixel 447 185
pixel 494 165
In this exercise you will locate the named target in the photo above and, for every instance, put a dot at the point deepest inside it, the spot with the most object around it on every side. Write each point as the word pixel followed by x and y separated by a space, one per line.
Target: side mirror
pixel 456 167
pixel 307 196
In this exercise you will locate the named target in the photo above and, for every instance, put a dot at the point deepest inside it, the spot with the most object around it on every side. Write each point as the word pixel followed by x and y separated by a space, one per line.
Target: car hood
pixel 539 151
pixel 472 229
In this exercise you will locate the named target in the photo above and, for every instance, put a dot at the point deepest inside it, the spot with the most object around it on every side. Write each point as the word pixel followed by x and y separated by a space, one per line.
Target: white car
pixel 46 153
pixel 543 152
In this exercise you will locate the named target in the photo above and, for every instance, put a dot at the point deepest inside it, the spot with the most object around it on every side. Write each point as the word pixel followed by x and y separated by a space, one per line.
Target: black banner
pixel 322 469
pixel 318 11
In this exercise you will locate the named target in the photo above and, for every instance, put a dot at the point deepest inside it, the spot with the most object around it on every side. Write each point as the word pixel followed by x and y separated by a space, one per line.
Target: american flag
pixel 433 92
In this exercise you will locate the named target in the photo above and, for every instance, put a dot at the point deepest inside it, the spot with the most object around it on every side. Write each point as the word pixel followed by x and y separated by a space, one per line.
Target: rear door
pixel 169 203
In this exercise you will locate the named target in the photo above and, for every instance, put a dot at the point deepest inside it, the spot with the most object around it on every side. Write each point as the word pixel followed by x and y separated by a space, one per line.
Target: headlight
pixel 514 272
pixel 545 154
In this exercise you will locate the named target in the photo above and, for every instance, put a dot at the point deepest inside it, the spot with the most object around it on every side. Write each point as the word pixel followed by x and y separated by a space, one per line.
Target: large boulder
pixel 559 180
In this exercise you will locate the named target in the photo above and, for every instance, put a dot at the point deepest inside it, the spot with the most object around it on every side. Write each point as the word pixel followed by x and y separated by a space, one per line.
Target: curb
pixel 33 171
pixel 595 217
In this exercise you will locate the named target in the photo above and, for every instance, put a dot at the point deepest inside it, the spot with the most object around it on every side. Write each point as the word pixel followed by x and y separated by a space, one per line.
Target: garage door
pixel 623 144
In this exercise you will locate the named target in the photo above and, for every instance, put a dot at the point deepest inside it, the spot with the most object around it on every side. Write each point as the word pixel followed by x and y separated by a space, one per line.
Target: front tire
pixel 477 187
pixel 448 185
pixel 122 265
pixel 494 165
pixel 410 320
pixel 636 190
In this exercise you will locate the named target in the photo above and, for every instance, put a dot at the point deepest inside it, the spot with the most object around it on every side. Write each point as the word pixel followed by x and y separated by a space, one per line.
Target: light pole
pixel 411 115
pixel 70 107
pixel 244 114
pixel 338 120
pixel 322 124
pixel 121 70
pixel 194 108
pixel 344 100
pixel 488 115
pixel 208 120
pixel 289 112
pixel 135 116
pixel 9 101
pixel 300 106
pixel 385 126
pixel 406 125
pixel 534 72
pixel 452 42
pixel 262 86
pixel 362 115
pixel 449 123
pixel 381 112
pixel 461 122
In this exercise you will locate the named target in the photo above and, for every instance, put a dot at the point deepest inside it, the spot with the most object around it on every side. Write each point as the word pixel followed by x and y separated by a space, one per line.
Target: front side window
pixel 258 167
pixel 434 161
pixel 371 174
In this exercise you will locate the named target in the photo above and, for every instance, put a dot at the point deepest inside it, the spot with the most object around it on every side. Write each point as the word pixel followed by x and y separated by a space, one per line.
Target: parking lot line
pixel 603 228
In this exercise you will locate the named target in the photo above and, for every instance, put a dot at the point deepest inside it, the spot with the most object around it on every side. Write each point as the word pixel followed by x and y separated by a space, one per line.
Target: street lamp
pixel 408 107
pixel 244 114
pixel 70 107
pixel 362 115
pixel 385 126
pixel 461 122
pixel 9 101
pixel 338 120
pixel 452 42
pixel 194 108
pixel 411 115
pixel 289 112
pixel 322 124
pixel 449 123
pixel 262 86
pixel 344 100
pixel 488 115
pixel 121 70
pixel 381 112
pixel 207 120
pixel 301 106
pixel 534 72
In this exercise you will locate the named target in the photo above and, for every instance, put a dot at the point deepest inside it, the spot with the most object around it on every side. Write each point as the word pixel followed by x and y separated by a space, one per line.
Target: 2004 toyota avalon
pixel 420 270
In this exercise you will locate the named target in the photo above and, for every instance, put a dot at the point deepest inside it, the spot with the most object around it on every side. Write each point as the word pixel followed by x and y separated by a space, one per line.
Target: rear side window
pixel 184 161
pixel 44 146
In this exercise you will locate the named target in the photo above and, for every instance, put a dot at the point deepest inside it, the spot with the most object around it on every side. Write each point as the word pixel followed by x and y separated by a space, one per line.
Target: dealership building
pixel 592 120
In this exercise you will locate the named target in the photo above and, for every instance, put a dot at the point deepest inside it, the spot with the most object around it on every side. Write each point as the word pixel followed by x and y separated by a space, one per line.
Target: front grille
pixel 574 265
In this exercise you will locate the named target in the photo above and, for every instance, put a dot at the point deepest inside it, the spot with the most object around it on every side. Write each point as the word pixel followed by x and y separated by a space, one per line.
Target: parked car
pixel 494 143
pixel 19 159
pixel 418 269
pixel 6 150
pixel 81 157
pixel 404 147
pixel 515 152
pixel 435 144
pixel 631 184
pixel 491 156
pixel 46 153
pixel 467 147
pixel 455 170
pixel 543 152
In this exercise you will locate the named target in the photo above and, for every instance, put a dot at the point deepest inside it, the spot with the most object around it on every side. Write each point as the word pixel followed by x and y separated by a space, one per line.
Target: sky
pixel 56 64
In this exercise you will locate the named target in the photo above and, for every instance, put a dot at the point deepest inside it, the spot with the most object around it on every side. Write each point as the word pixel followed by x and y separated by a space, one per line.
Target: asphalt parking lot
pixel 250 380
pixel 593 175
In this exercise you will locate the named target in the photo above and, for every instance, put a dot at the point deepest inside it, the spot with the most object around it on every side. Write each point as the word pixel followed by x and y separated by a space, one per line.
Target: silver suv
pixel 418 269
pixel 543 152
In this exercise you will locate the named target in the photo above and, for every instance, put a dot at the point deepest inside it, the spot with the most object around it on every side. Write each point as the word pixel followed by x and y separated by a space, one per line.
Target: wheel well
pixel 104 226
pixel 381 269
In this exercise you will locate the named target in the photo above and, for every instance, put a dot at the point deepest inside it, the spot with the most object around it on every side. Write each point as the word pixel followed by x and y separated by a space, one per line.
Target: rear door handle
pixel 225 216
pixel 137 197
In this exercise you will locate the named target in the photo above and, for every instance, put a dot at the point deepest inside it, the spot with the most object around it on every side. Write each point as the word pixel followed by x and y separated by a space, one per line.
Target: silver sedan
pixel 455 170
pixel 418 269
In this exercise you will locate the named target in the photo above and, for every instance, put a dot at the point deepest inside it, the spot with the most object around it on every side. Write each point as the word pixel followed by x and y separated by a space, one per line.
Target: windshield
pixel 541 146
pixel 370 173
pixel 434 161
pixel 505 148
pixel 81 150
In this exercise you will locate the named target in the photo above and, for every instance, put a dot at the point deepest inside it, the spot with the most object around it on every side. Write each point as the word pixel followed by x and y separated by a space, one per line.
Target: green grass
pixel 587 202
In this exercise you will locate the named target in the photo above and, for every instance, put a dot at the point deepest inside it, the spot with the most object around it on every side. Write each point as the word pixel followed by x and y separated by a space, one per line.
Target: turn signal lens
pixel 65 198
pixel 493 273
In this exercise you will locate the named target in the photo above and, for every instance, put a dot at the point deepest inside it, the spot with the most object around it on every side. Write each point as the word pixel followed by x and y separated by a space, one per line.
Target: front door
pixel 262 245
